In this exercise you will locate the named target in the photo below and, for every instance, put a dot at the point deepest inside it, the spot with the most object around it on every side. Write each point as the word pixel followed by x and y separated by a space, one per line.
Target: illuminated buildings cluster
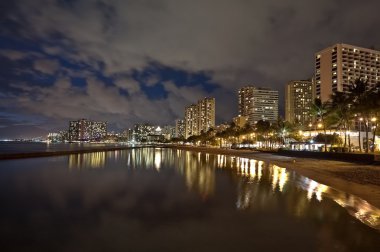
pixel 199 117
pixel 86 130
pixel 146 133
pixel 257 103
pixel 338 66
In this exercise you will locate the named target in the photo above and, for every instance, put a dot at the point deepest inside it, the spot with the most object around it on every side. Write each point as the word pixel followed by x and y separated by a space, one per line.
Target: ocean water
pixel 29 147
pixel 154 199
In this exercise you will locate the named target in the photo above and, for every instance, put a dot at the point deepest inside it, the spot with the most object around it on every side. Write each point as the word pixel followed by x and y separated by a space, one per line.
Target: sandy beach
pixel 357 179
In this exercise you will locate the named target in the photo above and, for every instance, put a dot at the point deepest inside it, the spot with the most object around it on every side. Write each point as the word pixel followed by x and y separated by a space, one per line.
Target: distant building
pixel 86 130
pixel 337 66
pixel 258 104
pixel 128 134
pixel 200 117
pixel 240 121
pixel 299 96
pixel 191 121
pixel 156 135
pixel 141 131
pixel 168 132
pixel 206 114
pixel 180 128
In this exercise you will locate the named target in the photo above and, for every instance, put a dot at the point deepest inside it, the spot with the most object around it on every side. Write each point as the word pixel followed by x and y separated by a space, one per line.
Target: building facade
pixel 299 97
pixel 191 121
pixel 86 130
pixel 338 66
pixel 200 117
pixel 180 128
pixel 206 114
pixel 258 103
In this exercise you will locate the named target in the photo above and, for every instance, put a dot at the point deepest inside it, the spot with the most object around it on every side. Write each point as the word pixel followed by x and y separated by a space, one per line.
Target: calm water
pixel 28 147
pixel 169 200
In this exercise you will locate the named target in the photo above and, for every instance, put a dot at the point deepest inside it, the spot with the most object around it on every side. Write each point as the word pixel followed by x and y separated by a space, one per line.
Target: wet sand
pixel 357 179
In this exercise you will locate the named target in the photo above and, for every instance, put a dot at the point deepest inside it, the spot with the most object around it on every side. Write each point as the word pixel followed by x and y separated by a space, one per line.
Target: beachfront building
pixel 206 114
pixel 257 103
pixel 337 66
pixel 86 130
pixel 180 128
pixel 199 117
pixel 299 97
pixel 353 137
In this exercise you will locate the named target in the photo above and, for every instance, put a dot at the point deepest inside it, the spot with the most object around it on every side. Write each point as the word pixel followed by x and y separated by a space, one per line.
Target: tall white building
pixel 180 128
pixel 337 66
pixel 258 104
pixel 206 114
pixel 191 121
pixel 200 117
pixel 299 96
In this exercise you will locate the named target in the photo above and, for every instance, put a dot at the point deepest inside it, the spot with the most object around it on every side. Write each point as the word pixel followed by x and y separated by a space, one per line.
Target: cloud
pixel 46 66
pixel 13 55
pixel 265 43
pixel 128 84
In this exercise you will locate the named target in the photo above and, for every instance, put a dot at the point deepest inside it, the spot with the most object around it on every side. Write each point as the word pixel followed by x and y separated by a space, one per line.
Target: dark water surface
pixel 9 147
pixel 155 199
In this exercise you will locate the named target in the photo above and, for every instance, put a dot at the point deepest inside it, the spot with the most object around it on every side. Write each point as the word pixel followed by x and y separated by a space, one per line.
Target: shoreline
pixel 361 180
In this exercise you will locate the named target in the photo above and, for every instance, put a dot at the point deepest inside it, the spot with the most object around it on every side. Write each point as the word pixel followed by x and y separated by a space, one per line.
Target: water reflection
pixel 259 182
pixel 152 199
pixel 87 160
pixel 250 195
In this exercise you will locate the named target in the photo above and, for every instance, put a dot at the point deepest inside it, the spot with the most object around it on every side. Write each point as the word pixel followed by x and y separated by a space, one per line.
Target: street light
pixel 310 125
pixel 319 125
pixel 360 130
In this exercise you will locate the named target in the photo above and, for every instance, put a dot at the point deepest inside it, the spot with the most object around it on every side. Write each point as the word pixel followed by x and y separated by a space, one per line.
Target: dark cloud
pixel 265 43
pixel 46 66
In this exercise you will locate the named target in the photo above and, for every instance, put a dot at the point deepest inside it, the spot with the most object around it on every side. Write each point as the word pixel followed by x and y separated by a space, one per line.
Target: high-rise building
pixel 98 130
pixel 206 114
pixel 200 117
pixel 86 130
pixel 337 66
pixel 258 104
pixel 299 96
pixel 191 121
pixel 141 131
pixel 180 128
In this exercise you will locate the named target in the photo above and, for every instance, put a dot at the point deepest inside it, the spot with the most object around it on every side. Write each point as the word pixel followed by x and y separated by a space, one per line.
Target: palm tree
pixel 321 110
pixel 263 128
pixel 341 109
pixel 364 102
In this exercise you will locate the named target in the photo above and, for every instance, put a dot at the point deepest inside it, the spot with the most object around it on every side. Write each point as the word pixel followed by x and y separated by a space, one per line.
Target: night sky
pixel 127 62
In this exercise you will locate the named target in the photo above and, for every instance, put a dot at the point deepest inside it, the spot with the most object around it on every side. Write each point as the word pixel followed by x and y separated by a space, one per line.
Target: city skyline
pixel 104 61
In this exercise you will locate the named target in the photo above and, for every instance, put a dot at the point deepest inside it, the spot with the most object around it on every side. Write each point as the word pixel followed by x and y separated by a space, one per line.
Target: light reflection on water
pixel 198 171
pixel 279 177
pixel 154 199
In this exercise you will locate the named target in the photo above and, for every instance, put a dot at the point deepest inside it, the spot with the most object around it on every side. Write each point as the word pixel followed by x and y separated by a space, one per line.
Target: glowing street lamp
pixel 319 125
